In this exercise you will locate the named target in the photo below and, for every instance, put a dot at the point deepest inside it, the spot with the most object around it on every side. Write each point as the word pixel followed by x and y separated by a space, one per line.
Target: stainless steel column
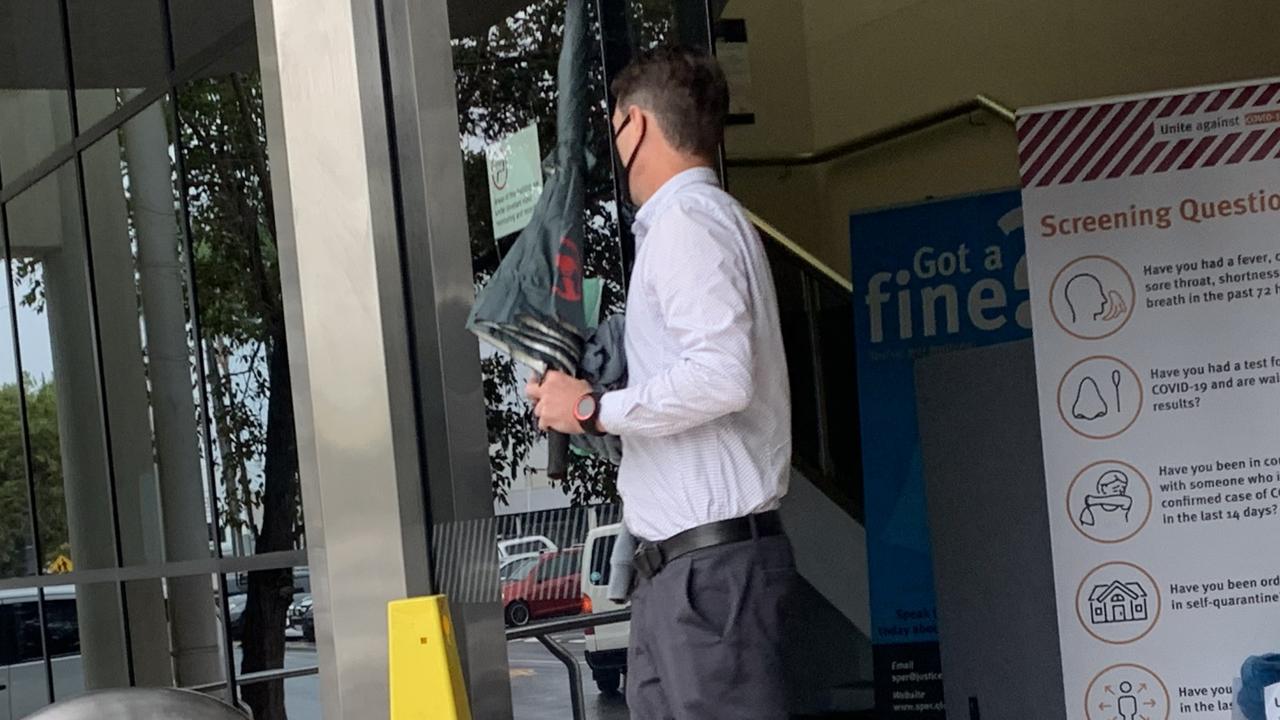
pixel 347 329
pixel 437 256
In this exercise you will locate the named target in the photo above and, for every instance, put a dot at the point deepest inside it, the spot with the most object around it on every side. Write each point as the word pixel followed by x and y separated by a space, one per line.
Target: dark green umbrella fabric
pixel 532 306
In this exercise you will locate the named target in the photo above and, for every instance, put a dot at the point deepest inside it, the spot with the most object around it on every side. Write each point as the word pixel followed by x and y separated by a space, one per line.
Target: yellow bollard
pixel 426 676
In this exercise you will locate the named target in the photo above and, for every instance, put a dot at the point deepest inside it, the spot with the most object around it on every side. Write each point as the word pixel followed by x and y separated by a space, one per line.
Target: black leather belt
pixel 650 558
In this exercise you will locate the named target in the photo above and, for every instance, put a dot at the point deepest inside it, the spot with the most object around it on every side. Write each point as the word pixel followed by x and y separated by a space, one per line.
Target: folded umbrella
pixel 532 306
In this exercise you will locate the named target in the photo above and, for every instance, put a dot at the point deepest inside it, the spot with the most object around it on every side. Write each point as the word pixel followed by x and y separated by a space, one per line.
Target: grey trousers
pixel 707 633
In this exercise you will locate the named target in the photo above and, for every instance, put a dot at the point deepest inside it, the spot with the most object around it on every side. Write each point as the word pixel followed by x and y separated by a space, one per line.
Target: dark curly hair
pixel 686 91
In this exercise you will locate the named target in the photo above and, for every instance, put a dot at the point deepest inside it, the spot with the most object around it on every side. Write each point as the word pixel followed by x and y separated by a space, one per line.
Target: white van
pixel 23 688
pixel 606 645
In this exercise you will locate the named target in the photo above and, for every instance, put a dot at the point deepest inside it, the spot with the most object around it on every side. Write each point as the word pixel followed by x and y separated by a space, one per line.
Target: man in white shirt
pixel 705 419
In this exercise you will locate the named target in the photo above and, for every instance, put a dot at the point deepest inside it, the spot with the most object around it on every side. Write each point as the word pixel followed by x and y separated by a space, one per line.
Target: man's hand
pixel 554 400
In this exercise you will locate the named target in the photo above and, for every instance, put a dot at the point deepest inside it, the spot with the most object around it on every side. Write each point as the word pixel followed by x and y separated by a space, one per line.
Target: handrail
pixel 577 622
pixel 261 676
pixel 795 249
pixel 543 632
pixel 872 139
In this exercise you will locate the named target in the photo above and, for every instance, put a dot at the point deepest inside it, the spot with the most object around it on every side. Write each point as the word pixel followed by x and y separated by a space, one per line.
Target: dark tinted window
pixel 569 564
pixel 64 629
pixel 549 568
pixel 6 635
pixel 26 632
pixel 559 566
pixel 601 553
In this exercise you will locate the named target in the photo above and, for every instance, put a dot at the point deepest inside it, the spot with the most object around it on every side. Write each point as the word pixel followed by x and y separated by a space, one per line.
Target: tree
pixel 231 214
pixel 46 466
pixel 506 81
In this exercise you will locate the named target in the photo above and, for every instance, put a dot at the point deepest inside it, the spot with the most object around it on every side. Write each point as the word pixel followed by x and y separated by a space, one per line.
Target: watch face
pixel 586 408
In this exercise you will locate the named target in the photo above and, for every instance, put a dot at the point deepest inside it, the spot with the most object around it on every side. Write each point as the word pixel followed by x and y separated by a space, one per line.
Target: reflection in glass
pixel 34 112
pixel 55 332
pixel 107 69
pixel 18 553
pixel 201 26
pixel 244 348
pixel 147 348
pixel 835 348
pixel 302 694
pixel 233 240
pixel 505 81
pixel 22 649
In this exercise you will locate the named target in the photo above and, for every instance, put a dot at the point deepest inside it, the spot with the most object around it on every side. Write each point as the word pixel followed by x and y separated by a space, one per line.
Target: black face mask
pixel 626 165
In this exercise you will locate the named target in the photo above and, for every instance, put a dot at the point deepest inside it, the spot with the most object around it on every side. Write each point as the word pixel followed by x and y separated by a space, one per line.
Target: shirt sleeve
pixel 698 275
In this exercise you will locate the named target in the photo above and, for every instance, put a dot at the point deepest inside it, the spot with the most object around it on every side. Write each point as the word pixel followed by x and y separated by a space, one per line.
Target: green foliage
pixel 46 464
pixel 506 80
pixel 241 319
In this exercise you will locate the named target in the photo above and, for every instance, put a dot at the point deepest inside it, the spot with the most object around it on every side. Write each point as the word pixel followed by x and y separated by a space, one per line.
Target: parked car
pixel 235 613
pixel 22 671
pixel 606 650
pixel 546 588
pixel 516 565
pixel 302 619
pixel 529 545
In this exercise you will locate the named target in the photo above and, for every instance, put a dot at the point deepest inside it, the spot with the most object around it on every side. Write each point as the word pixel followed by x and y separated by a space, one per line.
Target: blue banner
pixel 928 278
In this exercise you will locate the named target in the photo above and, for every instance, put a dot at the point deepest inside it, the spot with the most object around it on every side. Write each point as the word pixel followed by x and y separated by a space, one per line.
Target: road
pixel 540 685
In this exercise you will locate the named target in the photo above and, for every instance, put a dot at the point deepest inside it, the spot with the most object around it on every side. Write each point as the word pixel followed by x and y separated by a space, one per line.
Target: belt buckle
pixel 648 560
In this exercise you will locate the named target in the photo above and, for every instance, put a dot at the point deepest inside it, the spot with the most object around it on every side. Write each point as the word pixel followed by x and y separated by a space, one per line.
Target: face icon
pixel 1113 483
pixel 1086 299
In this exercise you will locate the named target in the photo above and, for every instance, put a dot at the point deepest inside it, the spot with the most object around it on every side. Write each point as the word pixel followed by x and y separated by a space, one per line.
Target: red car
pixel 549 587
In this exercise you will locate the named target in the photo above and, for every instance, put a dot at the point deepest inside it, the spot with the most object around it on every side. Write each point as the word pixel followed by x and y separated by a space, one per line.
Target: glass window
pixel 35 115
pixel 270 638
pixel 505 79
pixel 790 281
pixel 108 71
pixel 149 362
pixel 840 396
pixel 241 314
pixel 547 569
pixel 601 554
pixel 8 642
pixel 302 694
pixel 217 30
pixel 25 616
pixel 63 627
pixel 517 569
pixel 60 375
pixel 18 554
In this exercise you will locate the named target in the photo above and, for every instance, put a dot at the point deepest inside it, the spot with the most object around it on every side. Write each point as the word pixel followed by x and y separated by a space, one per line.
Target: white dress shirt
pixel 705 418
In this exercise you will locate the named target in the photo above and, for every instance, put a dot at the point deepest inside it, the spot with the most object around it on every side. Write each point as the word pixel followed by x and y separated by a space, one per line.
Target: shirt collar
pixel 650 211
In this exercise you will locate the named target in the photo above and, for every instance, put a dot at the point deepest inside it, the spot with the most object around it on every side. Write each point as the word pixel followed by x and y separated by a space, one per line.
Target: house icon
pixel 1117 602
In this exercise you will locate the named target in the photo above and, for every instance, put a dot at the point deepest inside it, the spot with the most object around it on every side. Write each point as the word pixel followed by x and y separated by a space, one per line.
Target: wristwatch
pixel 587 413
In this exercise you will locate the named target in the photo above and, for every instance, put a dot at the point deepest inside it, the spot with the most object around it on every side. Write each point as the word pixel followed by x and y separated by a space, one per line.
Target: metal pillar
pixel 346 320
pixel 194 630
pixel 436 248
pixel 138 493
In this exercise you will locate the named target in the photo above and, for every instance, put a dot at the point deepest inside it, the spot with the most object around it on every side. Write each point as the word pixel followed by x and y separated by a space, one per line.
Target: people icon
pixel 1112 498
pixel 1089 302
pixel 1127 703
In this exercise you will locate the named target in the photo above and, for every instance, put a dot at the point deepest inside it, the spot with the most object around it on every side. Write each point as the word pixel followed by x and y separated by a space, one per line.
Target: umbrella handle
pixel 557 455
pixel 557 451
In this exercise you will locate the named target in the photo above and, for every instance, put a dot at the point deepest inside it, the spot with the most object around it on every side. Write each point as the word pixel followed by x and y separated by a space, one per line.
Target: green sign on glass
pixel 515 180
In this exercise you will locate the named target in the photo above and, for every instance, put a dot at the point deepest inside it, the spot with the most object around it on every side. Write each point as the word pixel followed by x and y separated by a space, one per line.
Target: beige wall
pixel 867 64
